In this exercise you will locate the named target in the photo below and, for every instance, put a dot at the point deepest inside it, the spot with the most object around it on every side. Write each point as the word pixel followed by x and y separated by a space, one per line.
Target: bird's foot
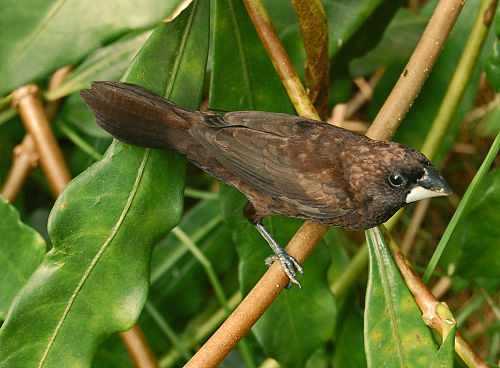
pixel 290 265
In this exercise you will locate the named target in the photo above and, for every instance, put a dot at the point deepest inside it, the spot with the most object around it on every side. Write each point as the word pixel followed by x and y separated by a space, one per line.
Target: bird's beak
pixel 431 184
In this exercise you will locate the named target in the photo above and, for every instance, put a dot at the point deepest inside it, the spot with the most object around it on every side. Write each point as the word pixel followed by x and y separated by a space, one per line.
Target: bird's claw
pixel 290 265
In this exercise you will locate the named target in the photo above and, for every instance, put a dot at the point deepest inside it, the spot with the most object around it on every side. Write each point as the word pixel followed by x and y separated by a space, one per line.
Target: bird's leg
pixel 288 262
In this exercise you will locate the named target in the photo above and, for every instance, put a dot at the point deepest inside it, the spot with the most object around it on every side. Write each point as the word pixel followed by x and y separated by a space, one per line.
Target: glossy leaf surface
pixel 395 334
pixel 104 225
pixel 40 36
pixel 21 251
pixel 243 77
pixel 479 249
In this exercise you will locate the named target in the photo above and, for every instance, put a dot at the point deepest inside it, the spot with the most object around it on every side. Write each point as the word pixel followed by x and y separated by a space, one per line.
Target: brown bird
pixel 284 164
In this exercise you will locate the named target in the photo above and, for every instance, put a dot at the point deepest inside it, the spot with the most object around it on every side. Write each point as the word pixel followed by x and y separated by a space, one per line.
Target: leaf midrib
pixel 98 255
pixel 375 235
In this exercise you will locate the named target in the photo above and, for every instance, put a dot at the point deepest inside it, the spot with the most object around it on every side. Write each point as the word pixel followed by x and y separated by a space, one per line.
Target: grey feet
pixel 290 265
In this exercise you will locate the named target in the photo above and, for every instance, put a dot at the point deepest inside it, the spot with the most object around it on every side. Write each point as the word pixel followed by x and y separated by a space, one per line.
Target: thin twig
pixel 25 154
pixel 31 111
pixel 137 346
pixel 364 94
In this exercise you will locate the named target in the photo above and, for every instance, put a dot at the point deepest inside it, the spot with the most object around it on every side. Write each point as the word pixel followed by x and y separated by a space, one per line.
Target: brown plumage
pixel 285 165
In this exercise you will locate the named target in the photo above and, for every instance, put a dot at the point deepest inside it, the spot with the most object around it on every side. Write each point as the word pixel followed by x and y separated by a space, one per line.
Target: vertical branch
pixel 138 347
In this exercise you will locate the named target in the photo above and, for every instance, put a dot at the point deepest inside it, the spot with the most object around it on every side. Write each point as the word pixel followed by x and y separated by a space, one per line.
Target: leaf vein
pixel 98 255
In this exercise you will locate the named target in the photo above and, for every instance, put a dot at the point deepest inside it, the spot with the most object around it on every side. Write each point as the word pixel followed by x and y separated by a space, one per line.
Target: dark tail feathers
pixel 135 115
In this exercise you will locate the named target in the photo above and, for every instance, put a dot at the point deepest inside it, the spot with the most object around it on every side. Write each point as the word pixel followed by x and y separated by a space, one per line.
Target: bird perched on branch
pixel 284 164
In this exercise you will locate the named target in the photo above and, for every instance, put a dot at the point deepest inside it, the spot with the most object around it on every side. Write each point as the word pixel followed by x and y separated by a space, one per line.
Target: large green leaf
pixel 106 63
pixel 243 77
pixel 478 236
pixel 395 334
pixel 287 331
pixel 349 352
pixel 41 36
pixel 395 47
pixel 21 251
pixel 104 224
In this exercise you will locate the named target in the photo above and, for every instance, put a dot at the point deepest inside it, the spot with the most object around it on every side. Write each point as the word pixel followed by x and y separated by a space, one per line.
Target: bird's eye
pixel 396 179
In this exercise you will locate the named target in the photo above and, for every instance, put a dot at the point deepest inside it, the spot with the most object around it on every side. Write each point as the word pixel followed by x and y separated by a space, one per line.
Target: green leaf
pixel 178 276
pixel 287 331
pixel 105 223
pixel 105 63
pixel 463 207
pixel 349 352
pixel 395 334
pixel 243 77
pixel 396 46
pixel 493 67
pixel 480 254
pixel 21 251
pixel 444 356
pixel 319 359
pixel 356 27
pixel 41 36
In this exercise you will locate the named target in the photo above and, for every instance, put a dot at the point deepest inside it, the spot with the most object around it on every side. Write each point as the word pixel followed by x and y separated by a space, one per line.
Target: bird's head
pixel 390 175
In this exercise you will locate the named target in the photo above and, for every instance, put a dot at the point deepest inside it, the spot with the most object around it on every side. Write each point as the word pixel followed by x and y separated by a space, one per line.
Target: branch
pixel 31 111
pixel 137 346
pixel 25 155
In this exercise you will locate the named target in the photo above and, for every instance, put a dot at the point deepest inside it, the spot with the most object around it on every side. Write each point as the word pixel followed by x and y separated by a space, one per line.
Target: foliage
pixel 110 251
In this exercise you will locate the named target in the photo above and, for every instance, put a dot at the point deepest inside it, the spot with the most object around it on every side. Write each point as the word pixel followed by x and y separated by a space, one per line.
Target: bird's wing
pixel 291 159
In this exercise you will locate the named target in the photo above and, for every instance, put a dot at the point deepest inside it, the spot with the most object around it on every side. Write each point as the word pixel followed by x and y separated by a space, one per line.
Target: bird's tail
pixel 135 115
